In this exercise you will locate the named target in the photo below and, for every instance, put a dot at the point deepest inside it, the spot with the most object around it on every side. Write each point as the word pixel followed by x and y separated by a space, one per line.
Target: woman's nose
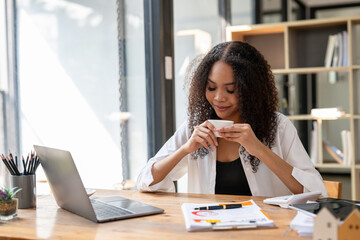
pixel 219 96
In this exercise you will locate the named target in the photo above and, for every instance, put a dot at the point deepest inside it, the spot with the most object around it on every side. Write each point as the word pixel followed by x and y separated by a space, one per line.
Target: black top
pixel 231 179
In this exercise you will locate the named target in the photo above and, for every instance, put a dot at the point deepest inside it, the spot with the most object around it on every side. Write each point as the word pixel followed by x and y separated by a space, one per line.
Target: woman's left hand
pixel 243 134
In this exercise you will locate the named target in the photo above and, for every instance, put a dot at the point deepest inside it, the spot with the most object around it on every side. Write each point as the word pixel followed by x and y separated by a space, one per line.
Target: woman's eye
pixel 211 89
pixel 231 92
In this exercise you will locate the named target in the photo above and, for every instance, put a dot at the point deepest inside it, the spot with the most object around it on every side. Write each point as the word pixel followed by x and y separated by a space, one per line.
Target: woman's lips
pixel 221 108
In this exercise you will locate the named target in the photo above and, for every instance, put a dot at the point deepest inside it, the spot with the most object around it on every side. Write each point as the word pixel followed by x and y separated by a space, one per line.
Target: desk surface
pixel 48 221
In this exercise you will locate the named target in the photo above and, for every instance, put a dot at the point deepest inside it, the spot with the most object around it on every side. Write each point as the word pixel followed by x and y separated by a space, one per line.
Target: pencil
pixel 32 163
pixel 27 162
pixel 29 166
pixel 12 159
pixel 12 164
pixel 7 165
pixel 37 163
pixel 15 162
pixel 23 161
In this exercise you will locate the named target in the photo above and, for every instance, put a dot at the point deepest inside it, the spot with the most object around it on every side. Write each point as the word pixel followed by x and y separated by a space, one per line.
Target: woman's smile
pixel 221 108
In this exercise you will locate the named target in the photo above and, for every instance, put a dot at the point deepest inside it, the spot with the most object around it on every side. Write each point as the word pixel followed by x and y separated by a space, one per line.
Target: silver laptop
pixel 70 194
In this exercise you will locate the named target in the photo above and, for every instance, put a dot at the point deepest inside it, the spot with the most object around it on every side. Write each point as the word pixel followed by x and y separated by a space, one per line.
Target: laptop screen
pixel 65 181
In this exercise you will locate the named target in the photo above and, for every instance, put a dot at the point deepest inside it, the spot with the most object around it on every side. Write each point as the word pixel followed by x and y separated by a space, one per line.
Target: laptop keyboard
pixel 106 211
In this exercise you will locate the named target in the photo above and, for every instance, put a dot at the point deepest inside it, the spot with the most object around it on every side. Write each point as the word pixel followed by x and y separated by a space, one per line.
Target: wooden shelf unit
pixel 299 47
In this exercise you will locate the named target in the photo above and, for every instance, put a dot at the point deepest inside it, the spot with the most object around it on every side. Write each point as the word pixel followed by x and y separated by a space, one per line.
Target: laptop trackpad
pixel 122 202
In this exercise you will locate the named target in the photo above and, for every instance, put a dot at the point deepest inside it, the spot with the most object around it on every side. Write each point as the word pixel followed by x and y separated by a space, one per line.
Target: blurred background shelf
pixel 298 55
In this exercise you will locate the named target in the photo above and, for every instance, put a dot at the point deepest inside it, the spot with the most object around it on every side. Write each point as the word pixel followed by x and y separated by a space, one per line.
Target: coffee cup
pixel 219 124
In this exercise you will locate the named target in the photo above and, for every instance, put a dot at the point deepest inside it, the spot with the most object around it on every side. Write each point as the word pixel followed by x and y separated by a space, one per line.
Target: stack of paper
pixel 249 215
pixel 303 224
pixel 328 113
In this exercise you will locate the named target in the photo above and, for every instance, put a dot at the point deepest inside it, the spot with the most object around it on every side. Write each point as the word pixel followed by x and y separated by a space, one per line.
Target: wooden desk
pixel 48 221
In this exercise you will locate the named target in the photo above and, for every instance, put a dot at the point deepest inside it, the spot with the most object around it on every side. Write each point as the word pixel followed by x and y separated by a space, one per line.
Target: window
pixel 68 76
pixel 136 86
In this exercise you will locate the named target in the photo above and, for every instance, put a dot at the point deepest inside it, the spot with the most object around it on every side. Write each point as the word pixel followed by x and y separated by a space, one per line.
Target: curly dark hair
pixel 254 86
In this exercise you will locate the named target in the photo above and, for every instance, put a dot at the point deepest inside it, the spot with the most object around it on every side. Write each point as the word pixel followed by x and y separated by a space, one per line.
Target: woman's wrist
pixel 184 149
pixel 261 152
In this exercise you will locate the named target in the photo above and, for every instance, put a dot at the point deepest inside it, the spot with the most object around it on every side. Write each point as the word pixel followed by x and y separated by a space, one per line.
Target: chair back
pixel 333 188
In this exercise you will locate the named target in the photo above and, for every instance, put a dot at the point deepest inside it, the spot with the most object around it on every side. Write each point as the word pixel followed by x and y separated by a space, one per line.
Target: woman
pixel 260 155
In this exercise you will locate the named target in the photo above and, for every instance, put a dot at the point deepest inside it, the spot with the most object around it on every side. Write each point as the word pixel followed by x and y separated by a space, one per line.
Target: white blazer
pixel 202 171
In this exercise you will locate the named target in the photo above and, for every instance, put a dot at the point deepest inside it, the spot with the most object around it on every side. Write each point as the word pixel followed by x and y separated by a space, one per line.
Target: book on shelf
pixel 336 47
pixel 336 51
pixel 340 49
pixel 344 145
pixel 329 51
pixel 314 155
pixel 336 153
pixel 345 42
pixel 342 156
pixel 347 146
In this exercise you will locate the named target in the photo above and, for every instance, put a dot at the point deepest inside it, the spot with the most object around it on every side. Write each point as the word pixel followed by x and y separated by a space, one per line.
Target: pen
pixel 221 206
pixel 233 227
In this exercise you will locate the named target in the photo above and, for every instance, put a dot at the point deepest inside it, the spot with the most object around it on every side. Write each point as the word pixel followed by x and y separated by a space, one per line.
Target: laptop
pixel 70 194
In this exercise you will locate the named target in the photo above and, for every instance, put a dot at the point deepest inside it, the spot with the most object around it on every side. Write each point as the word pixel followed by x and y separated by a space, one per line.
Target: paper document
pixel 248 216
pixel 303 224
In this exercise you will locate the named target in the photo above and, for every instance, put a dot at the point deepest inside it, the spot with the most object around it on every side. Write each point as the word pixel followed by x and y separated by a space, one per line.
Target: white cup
pixel 219 124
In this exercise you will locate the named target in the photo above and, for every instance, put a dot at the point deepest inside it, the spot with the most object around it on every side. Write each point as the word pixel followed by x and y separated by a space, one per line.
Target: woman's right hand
pixel 203 136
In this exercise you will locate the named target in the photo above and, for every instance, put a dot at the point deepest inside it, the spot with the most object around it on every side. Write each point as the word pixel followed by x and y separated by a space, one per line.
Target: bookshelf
pixel 300 47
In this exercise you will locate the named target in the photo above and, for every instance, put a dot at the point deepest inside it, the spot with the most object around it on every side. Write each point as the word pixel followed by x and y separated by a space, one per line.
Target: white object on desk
pixel 303 224
pixel 285 201
pixel 250 215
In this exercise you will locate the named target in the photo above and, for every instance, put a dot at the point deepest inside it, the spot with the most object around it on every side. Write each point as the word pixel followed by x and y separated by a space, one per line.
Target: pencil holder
pixel 27 196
